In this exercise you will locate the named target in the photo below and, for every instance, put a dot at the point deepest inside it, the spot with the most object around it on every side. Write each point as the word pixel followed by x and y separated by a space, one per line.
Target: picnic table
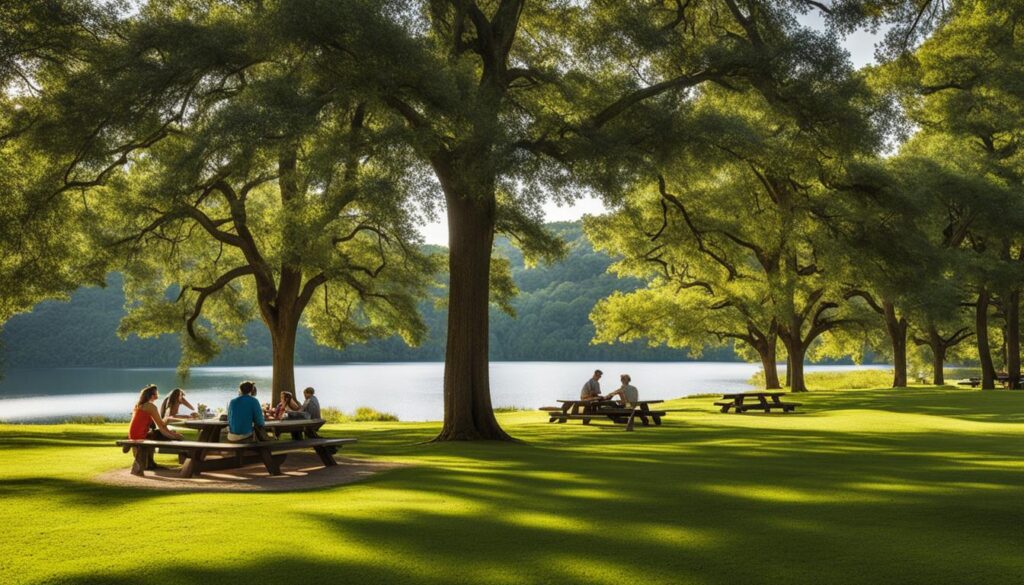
pixel 210 428
pixel 588 409
pixel 210 433
pixel 1003 379
pixel 766 401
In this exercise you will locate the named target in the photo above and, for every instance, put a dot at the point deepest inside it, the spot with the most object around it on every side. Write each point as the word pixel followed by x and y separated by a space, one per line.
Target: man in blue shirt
pixel 244 412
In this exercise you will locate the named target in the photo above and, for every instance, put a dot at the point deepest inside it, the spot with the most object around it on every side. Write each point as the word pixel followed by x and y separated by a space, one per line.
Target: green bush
pixel 511 409
pixel 333 415
pixel 97 419
pixel 362 414
pixel 367 414
pixel 850 380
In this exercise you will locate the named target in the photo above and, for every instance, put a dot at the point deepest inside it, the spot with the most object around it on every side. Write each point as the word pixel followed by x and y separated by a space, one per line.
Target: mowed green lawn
pixel 867 486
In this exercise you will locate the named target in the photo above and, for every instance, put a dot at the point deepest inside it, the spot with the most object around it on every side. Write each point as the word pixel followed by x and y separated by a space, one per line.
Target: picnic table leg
pixel 566 407
pixel 738 405
pixel 629 423
pixel 587 409
pixel 325 456
pixel 764 403
pixel 194 465
pixel 273 468
pixel 209 435
pixel 141 461
pixel 645 408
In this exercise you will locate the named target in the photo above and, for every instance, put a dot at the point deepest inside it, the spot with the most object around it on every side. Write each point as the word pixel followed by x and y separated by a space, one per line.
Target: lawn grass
pixel 865 486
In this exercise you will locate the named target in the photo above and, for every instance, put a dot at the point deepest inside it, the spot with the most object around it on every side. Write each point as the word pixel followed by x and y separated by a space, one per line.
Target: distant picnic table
pixel 589 409
pixel 1003 379
pixel 740 402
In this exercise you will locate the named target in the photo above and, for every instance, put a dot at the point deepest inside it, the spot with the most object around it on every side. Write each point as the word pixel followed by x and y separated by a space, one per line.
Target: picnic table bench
pixel 737 402
pixel 1003 379
pixel 192 454
pixel 587 410
pixel 271 453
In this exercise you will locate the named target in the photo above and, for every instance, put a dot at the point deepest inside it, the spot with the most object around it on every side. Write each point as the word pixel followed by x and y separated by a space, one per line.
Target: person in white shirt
pixel 627 393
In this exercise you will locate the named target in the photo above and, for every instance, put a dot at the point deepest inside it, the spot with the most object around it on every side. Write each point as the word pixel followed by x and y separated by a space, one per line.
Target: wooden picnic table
pixel 1003 379
pixel 210 432
pixel 210 428
pixel 588 409
pixel 737 402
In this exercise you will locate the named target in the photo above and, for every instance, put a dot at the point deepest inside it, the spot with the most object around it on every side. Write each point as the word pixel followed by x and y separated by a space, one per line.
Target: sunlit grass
pixel 867 486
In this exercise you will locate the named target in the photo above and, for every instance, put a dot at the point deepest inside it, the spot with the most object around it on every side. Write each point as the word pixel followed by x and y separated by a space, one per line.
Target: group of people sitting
pixel 627 393
pixel 244 412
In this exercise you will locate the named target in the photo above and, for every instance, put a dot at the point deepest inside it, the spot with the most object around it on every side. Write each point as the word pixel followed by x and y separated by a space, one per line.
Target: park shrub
pixel 848 380
pixel 361 414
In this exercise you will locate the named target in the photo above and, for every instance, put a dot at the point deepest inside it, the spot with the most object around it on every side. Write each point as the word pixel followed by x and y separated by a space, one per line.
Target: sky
pixel 860 44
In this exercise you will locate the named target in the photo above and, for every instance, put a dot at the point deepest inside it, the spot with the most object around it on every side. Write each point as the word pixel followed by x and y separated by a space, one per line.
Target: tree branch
pixel 205 291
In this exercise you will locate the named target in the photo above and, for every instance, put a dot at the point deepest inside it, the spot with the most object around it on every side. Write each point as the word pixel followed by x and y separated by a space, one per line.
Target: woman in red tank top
pixel 145 415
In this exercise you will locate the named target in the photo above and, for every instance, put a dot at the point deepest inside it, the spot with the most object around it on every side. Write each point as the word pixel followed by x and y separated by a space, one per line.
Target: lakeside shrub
pixel 511 408
pixel 361 414
pixel 97 419
pixel 850 380
pixel 367 414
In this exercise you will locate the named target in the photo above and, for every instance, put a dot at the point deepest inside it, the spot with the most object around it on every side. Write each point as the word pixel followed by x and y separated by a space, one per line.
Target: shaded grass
pixel 912 486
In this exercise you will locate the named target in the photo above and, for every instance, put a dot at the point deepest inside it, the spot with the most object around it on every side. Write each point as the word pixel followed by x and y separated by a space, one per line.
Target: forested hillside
pixel 551 324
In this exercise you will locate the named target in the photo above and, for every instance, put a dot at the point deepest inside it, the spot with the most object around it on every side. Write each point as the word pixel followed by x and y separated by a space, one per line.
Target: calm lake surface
pixel 410 390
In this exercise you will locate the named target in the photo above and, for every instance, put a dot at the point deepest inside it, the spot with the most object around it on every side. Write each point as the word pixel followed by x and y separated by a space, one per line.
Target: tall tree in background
pixel 249 188
pixel 509 101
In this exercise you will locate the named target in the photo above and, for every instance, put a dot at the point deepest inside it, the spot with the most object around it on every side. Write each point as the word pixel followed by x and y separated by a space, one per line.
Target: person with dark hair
pixel 592 389
pixel 311 406
pixel 147 422
pixel 244 414
pixel 174 401
pixel 287 404
pixel 627 393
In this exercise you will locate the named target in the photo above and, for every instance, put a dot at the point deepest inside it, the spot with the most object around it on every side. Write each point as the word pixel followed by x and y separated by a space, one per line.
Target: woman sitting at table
pixel 287 403
pixel 147 422
pixel 174 401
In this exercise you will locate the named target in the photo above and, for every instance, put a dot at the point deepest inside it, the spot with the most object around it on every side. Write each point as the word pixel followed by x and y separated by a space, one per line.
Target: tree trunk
pixel 282 339
pixel 795 372
pixel 797 383
pixel 984 351
pixel 938 356
pixel 1012 310
pixel 768 363
pixel 897 330
pixel 789 370
pixel 468 414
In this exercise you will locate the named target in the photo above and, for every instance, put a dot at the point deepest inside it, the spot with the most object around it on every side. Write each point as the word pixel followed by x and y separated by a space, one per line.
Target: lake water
pixel 412 391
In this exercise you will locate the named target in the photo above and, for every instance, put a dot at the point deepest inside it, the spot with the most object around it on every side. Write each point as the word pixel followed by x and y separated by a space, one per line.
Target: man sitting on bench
pixel 628 394
pixel 244 414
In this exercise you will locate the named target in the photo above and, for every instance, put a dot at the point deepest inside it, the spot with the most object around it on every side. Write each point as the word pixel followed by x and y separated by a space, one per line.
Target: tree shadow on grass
pixel 687 502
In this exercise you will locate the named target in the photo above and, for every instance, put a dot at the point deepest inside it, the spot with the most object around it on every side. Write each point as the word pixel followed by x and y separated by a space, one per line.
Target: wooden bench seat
pixel 741 408
pixel 270 452
pixel 629 411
